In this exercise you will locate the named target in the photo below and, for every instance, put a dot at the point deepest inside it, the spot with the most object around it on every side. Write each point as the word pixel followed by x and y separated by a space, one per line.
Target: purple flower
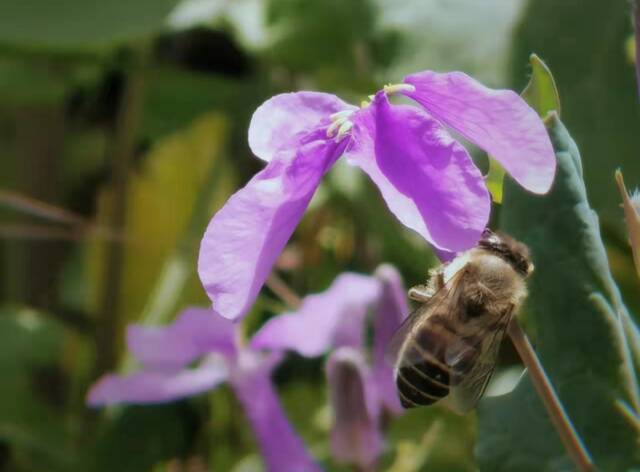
pixel 360 391
pixel 165 353
pixel 333 319
pixel 426 177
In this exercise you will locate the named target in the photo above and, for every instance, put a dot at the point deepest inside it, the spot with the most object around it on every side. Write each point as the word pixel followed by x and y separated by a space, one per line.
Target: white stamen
pixel 341 115
pixel 395 88
pixel 344 130
pixel 331 130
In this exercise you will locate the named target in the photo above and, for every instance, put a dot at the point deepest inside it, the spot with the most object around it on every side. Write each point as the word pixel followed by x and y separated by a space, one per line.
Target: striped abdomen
pixel 424 373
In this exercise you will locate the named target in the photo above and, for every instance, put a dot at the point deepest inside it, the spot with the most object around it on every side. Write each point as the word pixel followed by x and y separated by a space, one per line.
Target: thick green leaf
pixel 79 25
pixel 585 338
pixel 541 91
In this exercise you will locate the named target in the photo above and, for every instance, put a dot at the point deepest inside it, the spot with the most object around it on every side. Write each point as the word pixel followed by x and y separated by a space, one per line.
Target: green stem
pixel 127 121
pixel 568 435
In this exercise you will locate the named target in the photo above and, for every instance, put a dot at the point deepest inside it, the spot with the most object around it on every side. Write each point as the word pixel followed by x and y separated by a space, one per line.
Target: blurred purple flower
pixel 165 353
pixel 355 435
pixel 427 178
pixel 333 319
pixel 360 391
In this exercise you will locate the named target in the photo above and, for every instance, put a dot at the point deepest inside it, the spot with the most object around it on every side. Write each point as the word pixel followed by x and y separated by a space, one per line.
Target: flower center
pixel 340 122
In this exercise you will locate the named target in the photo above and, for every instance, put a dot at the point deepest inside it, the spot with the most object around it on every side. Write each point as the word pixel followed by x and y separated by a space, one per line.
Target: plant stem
pixel 568 435
pixel 124 137
pixel 283 291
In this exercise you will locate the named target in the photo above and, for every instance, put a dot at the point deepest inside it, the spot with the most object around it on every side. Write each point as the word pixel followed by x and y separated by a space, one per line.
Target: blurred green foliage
pixel 206 65
pixel 77 26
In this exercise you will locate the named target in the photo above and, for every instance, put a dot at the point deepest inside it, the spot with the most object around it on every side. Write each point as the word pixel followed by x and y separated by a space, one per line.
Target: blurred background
pixel 123 128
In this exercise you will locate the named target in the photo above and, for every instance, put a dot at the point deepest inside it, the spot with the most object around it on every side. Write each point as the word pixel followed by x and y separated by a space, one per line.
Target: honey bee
pixel 447 348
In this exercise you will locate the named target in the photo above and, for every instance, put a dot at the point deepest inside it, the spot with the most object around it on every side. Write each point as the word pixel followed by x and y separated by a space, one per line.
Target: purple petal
pixel 196 332
pixel 392 311
pixel 282 449
pixel 282 121
pixel 445 256
pixel 157 387
pixel 498 121
pixel 355 437
pixel 246 236
pixel 332 318
pixel 427 179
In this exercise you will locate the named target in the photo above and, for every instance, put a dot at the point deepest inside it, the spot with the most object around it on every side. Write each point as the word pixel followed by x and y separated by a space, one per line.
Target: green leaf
pixel 79 25
pixel 541 91
pixel 585 336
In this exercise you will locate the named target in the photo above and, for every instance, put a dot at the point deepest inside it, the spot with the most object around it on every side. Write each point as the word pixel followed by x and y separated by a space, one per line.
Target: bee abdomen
pixel 421 384
pixel 423 375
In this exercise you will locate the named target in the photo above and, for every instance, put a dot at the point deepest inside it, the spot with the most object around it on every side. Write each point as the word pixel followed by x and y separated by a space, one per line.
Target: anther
pixel 344 129
pixel 341 115
pixel 391 89
pixel 331 130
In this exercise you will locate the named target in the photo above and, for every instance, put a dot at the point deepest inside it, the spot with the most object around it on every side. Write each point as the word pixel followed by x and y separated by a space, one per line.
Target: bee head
pixel 507 248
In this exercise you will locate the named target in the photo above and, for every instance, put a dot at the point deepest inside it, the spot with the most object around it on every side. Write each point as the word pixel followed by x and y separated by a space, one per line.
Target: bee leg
pixel 421 293
pixel 424 292
pixel 437 280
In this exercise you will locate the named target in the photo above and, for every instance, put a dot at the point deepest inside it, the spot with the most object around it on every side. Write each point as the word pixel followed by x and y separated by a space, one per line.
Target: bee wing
pixel 472 365
pixel 443 301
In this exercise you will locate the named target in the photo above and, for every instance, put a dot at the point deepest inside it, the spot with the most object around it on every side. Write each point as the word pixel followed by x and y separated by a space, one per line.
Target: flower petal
pixel 392 311
pixel 498 121
pixel 196 332
pixel 332 318
pixel 246 236
pixel 282 449
pixel 427 179
pixel 355 437
pixel 157 387
pixel 282 121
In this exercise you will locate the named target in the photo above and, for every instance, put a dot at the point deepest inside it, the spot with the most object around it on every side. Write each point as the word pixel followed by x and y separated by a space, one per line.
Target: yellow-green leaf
pixel 494 179
pixel 542 95
pixel 541 92
pixel 160 201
